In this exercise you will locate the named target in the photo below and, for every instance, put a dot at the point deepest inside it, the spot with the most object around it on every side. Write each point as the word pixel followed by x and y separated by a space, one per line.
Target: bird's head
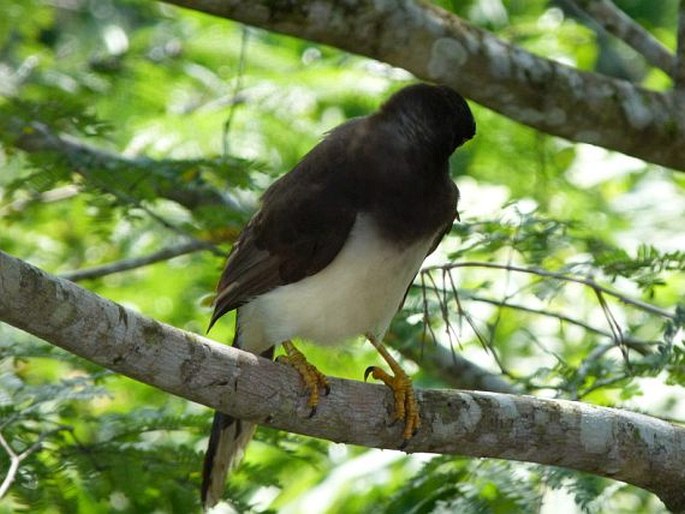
pixel 436 117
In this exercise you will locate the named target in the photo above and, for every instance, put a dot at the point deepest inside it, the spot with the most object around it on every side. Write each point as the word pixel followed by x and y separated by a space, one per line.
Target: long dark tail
pixel 226 447
pixel 225 450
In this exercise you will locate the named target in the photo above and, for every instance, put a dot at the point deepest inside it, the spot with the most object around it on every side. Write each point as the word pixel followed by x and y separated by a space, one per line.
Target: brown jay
pixel 335 246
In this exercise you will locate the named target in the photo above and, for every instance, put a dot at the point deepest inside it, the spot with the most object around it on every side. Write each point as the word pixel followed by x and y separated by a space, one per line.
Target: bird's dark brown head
pixel 435 116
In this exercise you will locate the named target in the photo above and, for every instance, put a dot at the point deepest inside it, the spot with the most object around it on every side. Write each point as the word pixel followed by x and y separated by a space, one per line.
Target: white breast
pixel 358 292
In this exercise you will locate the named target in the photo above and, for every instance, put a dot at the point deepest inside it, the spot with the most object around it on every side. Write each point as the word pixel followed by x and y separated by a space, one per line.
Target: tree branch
pixel 37 137
pixel 638 345
pixel 679 76
pixel 586 281
pixel 17 458
pixel 136 262
pixel 616 22
pixel 451 367
pixel 637 449
pixel 546 95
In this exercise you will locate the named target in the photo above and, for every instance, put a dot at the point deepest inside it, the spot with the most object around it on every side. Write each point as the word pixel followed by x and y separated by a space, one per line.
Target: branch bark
pixel 637 449
pixel 438 46
pixel 618 23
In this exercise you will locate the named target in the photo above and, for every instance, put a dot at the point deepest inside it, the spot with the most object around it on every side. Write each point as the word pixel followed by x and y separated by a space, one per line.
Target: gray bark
pixel 634 448
pixel 438 46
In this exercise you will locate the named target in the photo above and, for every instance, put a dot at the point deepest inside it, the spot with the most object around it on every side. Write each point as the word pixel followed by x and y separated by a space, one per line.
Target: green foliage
pixel 127 127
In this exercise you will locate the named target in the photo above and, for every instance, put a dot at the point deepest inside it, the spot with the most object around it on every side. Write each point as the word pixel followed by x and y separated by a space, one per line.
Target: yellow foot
pixel 313 379
pixel 406 406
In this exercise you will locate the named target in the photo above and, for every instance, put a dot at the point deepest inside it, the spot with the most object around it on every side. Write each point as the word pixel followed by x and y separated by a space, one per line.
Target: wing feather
pixel 305 219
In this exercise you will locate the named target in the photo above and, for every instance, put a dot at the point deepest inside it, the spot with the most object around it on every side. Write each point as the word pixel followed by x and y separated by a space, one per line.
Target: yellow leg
pixel 313 379
pixel 406 406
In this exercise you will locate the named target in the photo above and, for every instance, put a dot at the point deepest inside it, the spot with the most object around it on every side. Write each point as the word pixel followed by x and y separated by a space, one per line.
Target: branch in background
pixel 585 367
pixel 642 347
pixel 680 58
pixel 634 448
pixel 37 137
pixel 653 309
pixel 136 262
pixel 616 22
pixel 452 368
pixel 54 195
pixel 544 94
pixel 17 458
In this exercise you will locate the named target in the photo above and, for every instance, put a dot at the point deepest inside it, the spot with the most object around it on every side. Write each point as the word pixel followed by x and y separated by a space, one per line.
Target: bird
pixel 335 246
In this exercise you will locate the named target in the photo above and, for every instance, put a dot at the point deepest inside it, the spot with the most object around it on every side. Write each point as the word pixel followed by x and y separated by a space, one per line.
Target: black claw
pixel 404 444
pixel 311 413
pixel 327 390
pixel 368 371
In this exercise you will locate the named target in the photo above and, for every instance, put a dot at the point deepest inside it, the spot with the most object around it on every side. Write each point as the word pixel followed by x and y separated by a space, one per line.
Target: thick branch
pixel 618 23
pixel 626 446
pixel 439 46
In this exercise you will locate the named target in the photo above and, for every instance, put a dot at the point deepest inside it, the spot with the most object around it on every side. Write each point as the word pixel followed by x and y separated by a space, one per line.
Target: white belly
pixel 357 293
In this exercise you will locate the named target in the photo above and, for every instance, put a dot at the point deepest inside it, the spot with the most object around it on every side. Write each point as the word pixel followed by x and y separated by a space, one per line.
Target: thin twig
pixel 136 262
pixel 488 346
pixel 427 327
pixel 127 198
pixel 616 22
pixel 17 458
pixel 617 333
pixel 37 137
pixel 560 276
pixel 236 90
pixel 53 195
pixel 444 312
pixel 585 366
pixel 635 344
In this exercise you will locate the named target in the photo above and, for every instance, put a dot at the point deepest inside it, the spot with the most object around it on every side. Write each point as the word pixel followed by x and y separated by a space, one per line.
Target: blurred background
pixel 135 141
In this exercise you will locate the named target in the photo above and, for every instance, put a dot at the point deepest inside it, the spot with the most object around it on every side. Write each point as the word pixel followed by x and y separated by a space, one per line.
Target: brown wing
pixel 453 192
pixel 305 219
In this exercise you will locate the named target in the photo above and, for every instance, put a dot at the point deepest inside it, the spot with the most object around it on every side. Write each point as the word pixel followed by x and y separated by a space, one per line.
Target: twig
pixel 127 198
pixel 38 137
pixel 137 262
pixel 53 195
pixel 236 91
pixel 455 370
pixel 585 366
pixel 635 344
pixel 616 22
pixel 617 333
pixel 487 345
pixel 17 458
pixel 560 276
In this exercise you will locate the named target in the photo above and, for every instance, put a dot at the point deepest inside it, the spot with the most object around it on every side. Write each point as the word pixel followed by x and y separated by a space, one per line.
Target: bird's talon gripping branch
pixel 406 406
pixel 336 244
pixel 313 379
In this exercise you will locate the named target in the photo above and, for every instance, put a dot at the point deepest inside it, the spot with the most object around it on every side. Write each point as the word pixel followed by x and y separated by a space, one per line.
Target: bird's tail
pixel 226 447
